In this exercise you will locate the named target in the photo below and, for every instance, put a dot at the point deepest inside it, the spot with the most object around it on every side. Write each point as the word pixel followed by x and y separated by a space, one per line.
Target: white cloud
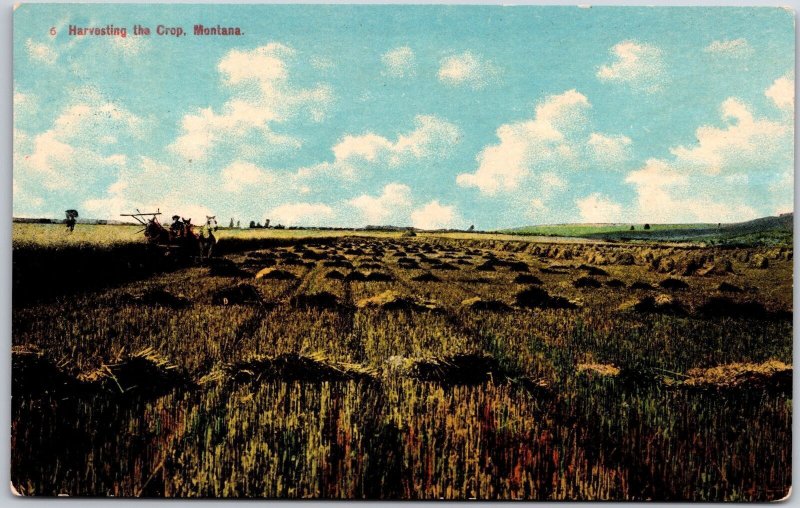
pixel 781 92
pixel 555 139
pixel 432 137
pixel 468 69
pixel 41 52
pixel 262 96
pixel 638 65
pixel 730 47
pixel 710 181
pixel 77 150
pixel 598 208
pixel 609 150
pixel 745 143
pixel 239 175
pixel 391 205
pixel 434 215
pixel 301 214
pixel 399 62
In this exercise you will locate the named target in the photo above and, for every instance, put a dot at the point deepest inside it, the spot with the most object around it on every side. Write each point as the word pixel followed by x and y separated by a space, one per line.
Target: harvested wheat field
pixel 406 367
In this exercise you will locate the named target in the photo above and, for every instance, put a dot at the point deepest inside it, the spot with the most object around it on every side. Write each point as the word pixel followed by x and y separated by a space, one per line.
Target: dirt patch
pixel 241 294
pixel 392 300
pixel 538 298
pixel 275 274
pixel 477 303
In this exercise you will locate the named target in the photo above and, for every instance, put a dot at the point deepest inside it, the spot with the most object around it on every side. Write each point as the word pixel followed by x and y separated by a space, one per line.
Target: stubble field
pixel 417 368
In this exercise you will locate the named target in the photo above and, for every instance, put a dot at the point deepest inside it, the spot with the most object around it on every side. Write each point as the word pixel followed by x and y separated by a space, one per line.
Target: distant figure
pixel 266 223
pixel 471 228
pixel 72 218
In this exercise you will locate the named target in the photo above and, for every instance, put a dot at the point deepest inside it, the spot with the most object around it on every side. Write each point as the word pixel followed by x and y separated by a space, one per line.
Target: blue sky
pixel 432 116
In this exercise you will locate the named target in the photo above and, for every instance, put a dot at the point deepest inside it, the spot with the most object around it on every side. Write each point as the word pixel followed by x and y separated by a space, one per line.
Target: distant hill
pixel 765 230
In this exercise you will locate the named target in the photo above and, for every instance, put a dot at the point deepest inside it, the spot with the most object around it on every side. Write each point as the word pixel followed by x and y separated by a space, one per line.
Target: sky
pixel 425 116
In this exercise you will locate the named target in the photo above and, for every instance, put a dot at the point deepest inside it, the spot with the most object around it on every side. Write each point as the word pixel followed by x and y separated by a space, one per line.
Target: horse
pixel 206 237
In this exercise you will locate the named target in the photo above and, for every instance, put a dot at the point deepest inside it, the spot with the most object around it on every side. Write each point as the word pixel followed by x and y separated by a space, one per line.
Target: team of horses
pixel 182 235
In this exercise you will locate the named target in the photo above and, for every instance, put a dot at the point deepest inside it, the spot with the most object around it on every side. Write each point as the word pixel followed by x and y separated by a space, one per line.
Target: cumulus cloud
pixel 262 95
pixel 730 47
pixel 468 69
pixel 532 153
pixel 302 214
pixel 399 62
pixel 599 208
pixel 432 137
pixel 609 149
pixel 781 92
pixel 82 146
pixel 41 52
pixel 434 215
pixel 637 65
pixel 391 205
pixel 240 175
pixel 711 180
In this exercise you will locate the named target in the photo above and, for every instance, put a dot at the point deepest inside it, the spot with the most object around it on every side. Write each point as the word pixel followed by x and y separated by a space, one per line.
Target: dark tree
pixel 632 228
pixel 647 226
pixel 231 224
pixel 252 224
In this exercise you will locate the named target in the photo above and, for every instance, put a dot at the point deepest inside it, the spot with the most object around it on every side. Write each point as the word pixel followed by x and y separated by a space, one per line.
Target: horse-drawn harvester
pixel 180 239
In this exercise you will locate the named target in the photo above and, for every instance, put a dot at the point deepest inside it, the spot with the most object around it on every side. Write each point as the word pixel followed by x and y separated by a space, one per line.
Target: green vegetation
pixel 208 381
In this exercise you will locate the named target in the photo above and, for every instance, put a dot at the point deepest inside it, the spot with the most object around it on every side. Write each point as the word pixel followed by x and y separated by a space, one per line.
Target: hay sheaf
pixel 312 367
pixel 598 369
pixel 537 298
pixel 33 374
pixel 334 275
pixel 527 278
pixel 241 294
pixel 593 270
pixel 222 267
pixel 392 300
pixel 673 284
pixel 721 306
pixel 426 277
pixel 586 282
pixel 457 369
pixel 478 303
pixel 275 274
pixel 661 304
pixel 772 374
pixel 144 372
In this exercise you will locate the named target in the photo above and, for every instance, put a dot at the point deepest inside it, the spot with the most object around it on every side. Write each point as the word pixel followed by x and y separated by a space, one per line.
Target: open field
pixel 439 366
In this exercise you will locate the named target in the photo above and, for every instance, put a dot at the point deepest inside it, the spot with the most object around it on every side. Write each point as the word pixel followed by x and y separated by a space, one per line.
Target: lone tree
pixel 252 224
pixel 238 224
pixel 647 226
pixel 633 228
pixel 231 224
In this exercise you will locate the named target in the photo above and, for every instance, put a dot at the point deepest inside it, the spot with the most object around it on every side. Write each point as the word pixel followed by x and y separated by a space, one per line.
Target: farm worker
pixel 177 226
